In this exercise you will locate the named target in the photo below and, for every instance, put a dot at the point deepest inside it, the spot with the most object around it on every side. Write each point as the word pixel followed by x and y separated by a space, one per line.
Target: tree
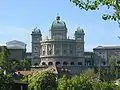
pixel 110 72
pixel 104 86
pixel 96 5
pixel 63 83
pixel 25 64
pixel 82 82
pixel 112 68
pixel 44 80
pixel 6 81
pixel 4 62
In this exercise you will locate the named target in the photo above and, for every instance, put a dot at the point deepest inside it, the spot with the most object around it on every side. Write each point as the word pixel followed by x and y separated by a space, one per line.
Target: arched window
pixel 57 63
pixel 65 63
pixel 64 51
pixel 71 52
pixel 72 63
pixel 104 63
pixel 43 63
pixel 35 64
pixel 118 62
pixel 50 52
pixel 50 63
pixel 79 63
pixel 44 52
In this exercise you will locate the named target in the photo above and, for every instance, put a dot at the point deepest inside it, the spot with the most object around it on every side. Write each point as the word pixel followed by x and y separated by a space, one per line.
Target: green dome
pixel 58 25
pixel 80 30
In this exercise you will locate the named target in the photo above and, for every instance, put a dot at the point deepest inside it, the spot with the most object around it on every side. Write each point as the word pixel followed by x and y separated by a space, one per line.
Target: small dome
pixel 58 25
pixel 80 30
pixel 36 30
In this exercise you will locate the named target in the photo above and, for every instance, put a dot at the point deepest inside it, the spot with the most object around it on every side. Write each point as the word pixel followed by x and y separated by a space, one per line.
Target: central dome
pixel 58 24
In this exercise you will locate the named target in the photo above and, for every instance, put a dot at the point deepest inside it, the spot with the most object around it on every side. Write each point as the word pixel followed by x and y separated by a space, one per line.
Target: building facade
pixel 59 49
pixel 16 49
pixel 102 55
pixel 89 59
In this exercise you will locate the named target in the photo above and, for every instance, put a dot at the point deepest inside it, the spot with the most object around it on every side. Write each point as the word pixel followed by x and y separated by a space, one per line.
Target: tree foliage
pixel 4 62
pixel 47 81
pixel 41 81
pixel 86 81
pixel 12 65
pixel 97 4
pixel 25 64
pixel 6 81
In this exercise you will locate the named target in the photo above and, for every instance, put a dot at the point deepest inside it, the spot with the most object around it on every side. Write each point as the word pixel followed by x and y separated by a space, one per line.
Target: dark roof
pixel 88 52
pixel 106 47
pixel 29 53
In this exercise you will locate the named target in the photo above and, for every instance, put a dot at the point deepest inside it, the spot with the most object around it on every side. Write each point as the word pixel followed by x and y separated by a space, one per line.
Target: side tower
pixel 36 38
pixel 79 37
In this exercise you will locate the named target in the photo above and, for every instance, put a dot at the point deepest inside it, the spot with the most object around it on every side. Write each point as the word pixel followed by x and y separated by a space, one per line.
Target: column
pixel 53 49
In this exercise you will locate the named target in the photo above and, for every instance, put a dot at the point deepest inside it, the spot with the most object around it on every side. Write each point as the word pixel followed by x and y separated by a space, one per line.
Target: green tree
pixel 97 4
pixel 25 64
pixel 4 62
pixel 82 82
pixel 104 86
pixel 44 80
pixel 15 65
pixel 112 68
pixel 109 73
pixel 63 83
pixel 6 81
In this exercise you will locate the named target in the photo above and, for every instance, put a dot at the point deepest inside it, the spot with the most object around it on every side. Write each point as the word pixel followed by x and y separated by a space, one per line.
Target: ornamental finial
pixel 58 17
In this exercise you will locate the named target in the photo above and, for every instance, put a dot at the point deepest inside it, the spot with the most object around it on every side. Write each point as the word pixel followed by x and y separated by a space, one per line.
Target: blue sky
pixel 19 17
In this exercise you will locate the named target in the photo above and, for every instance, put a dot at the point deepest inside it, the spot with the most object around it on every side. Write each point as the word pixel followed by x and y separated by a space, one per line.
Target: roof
pixel 58 24
pixel 29 53
pixel 88 52
pixel 14 44
pixel 80 31
pixel 106 47
pixel 25 72
pixel 36 31
pixel 54 69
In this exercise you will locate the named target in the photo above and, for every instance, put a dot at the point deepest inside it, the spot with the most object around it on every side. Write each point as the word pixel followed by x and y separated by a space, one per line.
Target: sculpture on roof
pixel 36 30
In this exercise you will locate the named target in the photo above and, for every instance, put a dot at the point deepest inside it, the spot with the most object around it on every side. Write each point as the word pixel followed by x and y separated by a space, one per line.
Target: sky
pixel 19 17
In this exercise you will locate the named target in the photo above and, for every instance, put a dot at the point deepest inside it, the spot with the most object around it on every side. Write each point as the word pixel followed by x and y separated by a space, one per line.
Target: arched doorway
pixel 50 63
pixel 57 63
pixel 65 63
pixel 43 63
pixel 72 63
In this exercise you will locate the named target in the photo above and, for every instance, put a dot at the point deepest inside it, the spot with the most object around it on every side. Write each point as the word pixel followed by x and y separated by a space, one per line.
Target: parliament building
pixel 60 51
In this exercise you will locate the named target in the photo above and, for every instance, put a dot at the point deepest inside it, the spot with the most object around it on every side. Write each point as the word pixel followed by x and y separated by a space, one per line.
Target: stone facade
pixel 17 50
pixel 89 58
pixel 61 51
pixel 58 50
pixel 36 38
pixel 103 54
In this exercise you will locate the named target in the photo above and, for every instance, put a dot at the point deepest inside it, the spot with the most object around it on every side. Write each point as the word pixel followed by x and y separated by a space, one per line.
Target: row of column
pixel 53 49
